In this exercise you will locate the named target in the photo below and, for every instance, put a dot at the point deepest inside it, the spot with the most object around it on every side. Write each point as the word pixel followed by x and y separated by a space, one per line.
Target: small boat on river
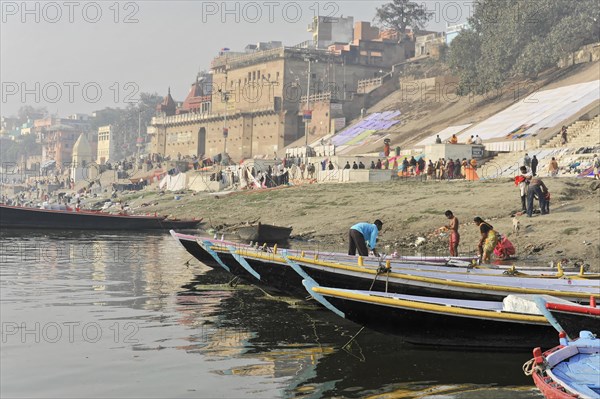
pixel 264 233
pixel 568 371
pixel 70 219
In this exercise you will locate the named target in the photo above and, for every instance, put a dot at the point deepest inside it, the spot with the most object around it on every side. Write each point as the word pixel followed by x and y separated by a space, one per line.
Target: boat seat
pixel 582 373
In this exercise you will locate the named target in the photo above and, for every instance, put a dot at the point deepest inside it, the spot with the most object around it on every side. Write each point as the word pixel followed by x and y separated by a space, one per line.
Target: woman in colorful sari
pixel 488 241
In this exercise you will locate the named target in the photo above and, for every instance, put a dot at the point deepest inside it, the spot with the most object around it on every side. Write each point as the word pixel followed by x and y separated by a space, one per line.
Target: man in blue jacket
pixel 362 233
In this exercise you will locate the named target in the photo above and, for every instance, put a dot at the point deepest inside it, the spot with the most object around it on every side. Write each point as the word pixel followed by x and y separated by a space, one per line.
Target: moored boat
pixel 510 324
pixel 34 218
pixel 264 233
pixel 281 271
pixel 568 371
pixel 573 317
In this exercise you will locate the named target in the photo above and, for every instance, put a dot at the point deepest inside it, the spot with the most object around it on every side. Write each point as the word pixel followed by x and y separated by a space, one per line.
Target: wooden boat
pixel 573 318
pixel 568 371
pixel 283 272
pixel 264 233
pixel 461 264
pixel 33 218
pixel 513 323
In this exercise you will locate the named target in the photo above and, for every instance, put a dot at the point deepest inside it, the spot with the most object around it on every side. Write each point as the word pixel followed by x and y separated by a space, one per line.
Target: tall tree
pixel 512 38
pixel 30 112
pixel 401 14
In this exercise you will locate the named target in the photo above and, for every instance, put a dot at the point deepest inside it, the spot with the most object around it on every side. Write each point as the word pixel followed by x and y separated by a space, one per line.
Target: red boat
pixel 568 371
pixel 34 218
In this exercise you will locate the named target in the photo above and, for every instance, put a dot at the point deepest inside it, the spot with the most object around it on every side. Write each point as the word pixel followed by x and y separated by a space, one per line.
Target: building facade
pixel 331 30
pixel 257 99
pixel 106 144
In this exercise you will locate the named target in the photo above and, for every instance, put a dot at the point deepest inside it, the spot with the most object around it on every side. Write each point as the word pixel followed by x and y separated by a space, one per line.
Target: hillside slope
pixel 425 113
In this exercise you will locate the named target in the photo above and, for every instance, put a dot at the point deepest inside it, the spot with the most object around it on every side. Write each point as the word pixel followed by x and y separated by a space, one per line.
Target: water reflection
pixel 187 333
pixel 306 343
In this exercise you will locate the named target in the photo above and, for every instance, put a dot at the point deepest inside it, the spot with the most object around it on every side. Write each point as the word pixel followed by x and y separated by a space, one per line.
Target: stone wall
pixel 589 53
pixel 453 151
pixel 353 176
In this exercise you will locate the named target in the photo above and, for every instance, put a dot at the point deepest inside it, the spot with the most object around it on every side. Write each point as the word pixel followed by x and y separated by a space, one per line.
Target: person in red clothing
pixel 454 236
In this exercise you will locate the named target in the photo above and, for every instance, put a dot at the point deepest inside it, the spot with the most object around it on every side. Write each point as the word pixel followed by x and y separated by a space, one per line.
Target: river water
pixel 123 316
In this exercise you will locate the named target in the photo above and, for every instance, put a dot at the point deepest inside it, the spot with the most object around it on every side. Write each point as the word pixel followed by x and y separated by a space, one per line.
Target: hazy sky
pixel 80 56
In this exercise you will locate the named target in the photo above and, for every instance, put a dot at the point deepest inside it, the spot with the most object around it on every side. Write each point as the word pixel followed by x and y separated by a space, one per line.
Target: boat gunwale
pixel 353 295
pixel 85 213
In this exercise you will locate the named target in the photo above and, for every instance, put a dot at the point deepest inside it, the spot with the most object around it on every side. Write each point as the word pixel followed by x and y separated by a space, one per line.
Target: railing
pixel 305 44
pixel 199 117
pixel 369 82
pixel 317 97
pixel 248 58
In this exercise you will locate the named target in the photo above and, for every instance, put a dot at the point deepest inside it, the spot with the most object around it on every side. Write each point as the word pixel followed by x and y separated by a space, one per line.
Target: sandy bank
pixel 322 214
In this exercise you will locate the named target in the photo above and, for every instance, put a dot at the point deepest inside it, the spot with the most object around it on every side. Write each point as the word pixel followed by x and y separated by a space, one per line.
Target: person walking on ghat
pixel 362 233
pixel 454 236
pixel 534 165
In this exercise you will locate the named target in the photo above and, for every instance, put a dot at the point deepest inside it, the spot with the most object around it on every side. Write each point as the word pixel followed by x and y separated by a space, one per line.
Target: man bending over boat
pixel 362 233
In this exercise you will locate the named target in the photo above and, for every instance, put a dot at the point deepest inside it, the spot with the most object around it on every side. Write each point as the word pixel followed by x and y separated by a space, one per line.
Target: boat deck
pixel 581 373
pixel 483 305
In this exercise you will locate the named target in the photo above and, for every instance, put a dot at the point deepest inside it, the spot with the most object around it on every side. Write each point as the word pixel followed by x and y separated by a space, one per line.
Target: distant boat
pixel 34 218
pixel 264 233
pixel 568 371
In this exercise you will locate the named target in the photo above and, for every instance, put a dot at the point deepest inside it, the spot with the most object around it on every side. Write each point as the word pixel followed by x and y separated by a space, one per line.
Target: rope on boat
pixel 381 270
pixel 387 280
pixel 234 282
pixel 531 367
pixel 353 338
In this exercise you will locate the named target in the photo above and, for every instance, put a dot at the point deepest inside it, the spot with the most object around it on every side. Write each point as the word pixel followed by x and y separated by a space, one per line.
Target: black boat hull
pixel 32 218
pixel 282 279
pixel 424 328
pixel 573 323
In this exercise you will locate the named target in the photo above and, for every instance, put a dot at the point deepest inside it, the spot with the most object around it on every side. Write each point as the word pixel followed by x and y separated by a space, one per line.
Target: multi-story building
pixel 57 144
pixel 106 144
pixel 430 44
pixel 257 98
pixel 331 30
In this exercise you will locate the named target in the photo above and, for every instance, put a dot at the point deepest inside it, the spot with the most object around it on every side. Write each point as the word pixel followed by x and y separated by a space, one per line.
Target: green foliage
pixel 24 146
pixel 400 14
pixel 515 38
pixel 30 112
pixel 126 122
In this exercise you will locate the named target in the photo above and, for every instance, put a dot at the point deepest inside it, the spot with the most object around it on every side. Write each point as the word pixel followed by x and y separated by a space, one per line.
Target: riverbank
pixel 321 214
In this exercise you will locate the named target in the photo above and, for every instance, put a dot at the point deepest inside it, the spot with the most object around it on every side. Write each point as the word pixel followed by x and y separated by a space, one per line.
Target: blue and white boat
pixel 568 371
